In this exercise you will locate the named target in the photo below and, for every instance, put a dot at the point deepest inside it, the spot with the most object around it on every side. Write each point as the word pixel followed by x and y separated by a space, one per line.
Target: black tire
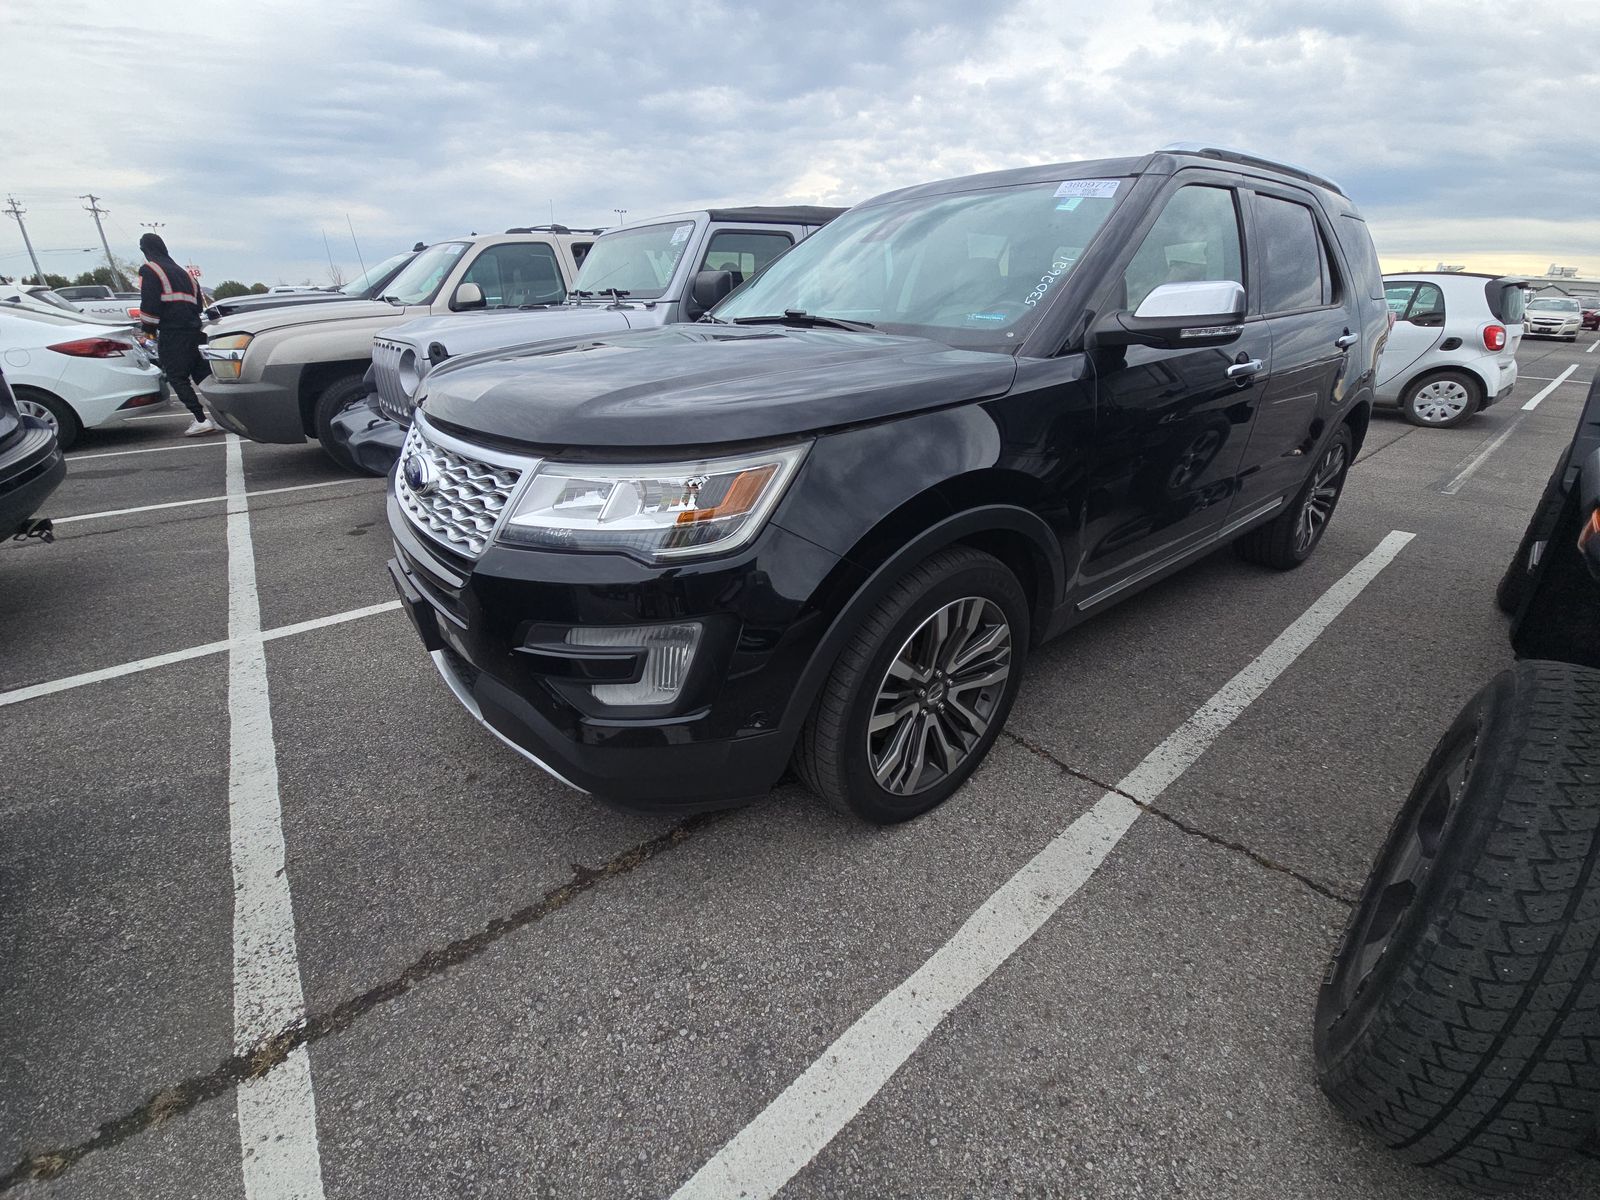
pixel 1415 395
pixel 832 756
pixel 1460 1017
pixel 331 401
pixel 1282 543
pixel 68 427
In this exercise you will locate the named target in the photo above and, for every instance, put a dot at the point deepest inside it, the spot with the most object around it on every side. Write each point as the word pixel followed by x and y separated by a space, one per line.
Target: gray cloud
pixel 420 120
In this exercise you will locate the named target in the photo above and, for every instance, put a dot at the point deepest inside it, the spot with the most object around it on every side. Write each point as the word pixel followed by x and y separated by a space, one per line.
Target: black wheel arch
pixel 315 377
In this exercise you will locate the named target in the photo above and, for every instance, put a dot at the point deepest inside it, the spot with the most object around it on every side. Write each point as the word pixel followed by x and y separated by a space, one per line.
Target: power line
pixel 16 211
pixel 94 207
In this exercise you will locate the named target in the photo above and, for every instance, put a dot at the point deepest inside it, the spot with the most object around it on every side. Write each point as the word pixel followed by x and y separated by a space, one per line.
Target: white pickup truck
pixel 283 374
pixel 654 272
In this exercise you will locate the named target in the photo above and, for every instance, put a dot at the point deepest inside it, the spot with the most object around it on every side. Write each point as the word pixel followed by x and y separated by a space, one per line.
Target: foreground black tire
pixel 1288 539
pixel 1443 399
pixel 331 401
pixel 937 665
pixel 1459 1020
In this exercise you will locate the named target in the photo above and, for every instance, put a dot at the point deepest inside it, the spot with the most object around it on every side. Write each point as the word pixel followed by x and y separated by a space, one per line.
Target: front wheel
pixel 1289 538
pixel 920 692
pixel 342 394
pixel 1459 1020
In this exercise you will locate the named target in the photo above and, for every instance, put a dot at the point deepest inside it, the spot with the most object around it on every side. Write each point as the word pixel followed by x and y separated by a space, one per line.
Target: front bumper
pixel 723 744
pixel 1567 330
pixel 370 438
pixel 264 411
pixel 31 467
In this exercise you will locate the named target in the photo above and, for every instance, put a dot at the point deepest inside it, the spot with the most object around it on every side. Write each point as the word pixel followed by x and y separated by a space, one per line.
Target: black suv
pixel 827 523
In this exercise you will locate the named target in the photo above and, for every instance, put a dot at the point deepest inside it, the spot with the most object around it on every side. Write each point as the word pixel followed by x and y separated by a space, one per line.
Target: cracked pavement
pixel 514 991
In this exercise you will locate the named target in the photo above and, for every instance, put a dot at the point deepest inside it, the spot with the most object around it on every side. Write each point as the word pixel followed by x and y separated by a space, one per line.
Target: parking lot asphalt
pixel 512 990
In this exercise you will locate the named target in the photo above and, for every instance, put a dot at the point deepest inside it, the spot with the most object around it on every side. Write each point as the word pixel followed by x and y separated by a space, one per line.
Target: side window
pixel 743 253
pixel 1398 297
pixel 1428 307
pixel 516 273
pixel 1361 253
pixel 1196 237
pixel 1294 274
pixel 580 251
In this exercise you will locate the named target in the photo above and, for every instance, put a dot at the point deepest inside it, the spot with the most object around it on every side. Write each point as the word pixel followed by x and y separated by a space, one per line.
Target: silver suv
pixel 1452 348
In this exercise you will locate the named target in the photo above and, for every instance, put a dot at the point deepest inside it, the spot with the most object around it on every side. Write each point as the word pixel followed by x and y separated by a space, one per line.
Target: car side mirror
pixel 1178 315
pixel 708 288
pixel 467 296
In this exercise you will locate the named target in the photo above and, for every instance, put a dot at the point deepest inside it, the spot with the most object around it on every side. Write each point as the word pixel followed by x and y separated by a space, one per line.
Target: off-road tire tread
pixel 1483 1060
pixel 819 751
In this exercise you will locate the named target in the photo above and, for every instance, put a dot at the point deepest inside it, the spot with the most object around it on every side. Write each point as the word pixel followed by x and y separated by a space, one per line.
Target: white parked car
pixel 1555 316
pixel 42 299
pixel 76 374
pixel 1452 348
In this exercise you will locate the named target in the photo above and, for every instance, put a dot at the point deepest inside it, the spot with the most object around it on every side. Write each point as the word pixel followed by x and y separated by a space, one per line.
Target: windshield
pixel 46 296
pixel 639 261
pixel 971 269
pixel 1552 304
pixel 362 283
pixel 419 282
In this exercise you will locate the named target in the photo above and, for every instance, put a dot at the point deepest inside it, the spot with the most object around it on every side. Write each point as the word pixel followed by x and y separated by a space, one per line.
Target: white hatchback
pixel 75 374
pixel 1452 348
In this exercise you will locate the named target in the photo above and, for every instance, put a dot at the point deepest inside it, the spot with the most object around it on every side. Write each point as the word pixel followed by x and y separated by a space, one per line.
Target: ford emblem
pixel 419 474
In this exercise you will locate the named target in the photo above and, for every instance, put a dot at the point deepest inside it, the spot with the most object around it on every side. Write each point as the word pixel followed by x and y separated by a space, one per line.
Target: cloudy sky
pixel 252 129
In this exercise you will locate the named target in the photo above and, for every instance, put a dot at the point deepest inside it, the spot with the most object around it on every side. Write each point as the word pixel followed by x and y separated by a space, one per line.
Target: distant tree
pixel 230 287
pixel 258 289
pixel 51 280
pixel 100 275
pixel 336 275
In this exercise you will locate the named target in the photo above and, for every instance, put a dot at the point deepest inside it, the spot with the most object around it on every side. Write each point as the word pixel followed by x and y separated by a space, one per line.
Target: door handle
pixel 1349 339
pixel 1243 370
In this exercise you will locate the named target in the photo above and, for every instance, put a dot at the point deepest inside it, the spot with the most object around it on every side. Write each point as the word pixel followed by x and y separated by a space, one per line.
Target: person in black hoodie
pixel 170 305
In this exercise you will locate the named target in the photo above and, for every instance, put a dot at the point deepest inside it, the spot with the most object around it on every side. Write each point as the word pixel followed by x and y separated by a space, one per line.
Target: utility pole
pixel 16 211
pixel 94 207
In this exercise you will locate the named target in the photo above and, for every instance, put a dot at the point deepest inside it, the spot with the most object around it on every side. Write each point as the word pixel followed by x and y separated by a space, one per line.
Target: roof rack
pixel 550 229
pixel 1254 160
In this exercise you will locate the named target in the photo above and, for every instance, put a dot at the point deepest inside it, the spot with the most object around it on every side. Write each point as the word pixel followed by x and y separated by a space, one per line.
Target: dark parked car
pixel 31 465
pixel 830 522
pixel 1589 311
pixel 1459 1020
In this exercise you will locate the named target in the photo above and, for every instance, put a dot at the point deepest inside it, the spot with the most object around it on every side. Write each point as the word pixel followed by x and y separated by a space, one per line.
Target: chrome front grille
pixel 392 401
pixel 461 494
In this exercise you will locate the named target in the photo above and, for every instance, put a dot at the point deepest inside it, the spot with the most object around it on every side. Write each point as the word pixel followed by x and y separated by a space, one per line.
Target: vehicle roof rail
pixel 1245 158
pixel 551 229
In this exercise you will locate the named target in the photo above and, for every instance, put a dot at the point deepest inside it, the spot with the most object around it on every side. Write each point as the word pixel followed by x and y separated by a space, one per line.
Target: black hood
pixel 697 385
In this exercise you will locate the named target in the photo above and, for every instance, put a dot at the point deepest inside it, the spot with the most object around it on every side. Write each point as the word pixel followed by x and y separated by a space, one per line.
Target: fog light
pixel 669 651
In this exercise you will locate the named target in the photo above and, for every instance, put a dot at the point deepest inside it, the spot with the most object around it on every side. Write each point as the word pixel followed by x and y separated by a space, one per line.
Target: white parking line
pixel 1478 459
pixel 151 450
pixel 68 682
pixel 1552 379
pixel 277 1113
pixel 1591 347
pixel 1548 388
pixel 811 1111
pixel 123 512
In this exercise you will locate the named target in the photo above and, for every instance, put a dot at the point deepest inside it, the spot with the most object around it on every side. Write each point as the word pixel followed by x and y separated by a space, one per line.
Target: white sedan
pixel 74 374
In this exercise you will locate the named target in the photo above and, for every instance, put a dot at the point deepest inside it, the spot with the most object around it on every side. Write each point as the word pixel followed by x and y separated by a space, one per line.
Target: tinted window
pixel 1507 301
pixel 1428 306
pixel 517 273
pixel 744 253
pixel 1292 273
pixel 1361 255
pixel 1196 237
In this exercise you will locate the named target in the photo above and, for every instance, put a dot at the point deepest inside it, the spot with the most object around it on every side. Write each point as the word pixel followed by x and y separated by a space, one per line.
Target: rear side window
pixel 1196 237
pixel 1362 256
pixel 1293 276
pixel 1427 307
pixel 1506 301
pixel 744 254
pixel 1398 297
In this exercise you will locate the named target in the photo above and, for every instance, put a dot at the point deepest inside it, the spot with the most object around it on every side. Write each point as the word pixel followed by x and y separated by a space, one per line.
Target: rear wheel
pixel 343 393
pixel 1442 400
pixel 53 411
pixel 921 691
pixel 1289 538
pixel 1460 1017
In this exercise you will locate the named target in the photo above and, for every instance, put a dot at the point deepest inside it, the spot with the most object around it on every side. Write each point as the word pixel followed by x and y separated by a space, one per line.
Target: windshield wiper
pixel 804 320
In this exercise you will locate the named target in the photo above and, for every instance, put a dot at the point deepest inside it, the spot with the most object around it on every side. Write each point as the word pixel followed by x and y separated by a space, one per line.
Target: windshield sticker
pixel 986 316
pixel 1057 269
pixel 1089 189
pixel 680 235
pixel 1070 203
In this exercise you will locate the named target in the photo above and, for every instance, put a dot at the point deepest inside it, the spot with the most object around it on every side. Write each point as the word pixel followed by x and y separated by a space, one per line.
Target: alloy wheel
pixel 1320 500
pixel 1440 401
pixel 939 695
pixel 32 408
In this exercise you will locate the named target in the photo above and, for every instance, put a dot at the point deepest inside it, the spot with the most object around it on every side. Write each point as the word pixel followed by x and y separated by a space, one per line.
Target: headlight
pixel 667 511
pixel 226 355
